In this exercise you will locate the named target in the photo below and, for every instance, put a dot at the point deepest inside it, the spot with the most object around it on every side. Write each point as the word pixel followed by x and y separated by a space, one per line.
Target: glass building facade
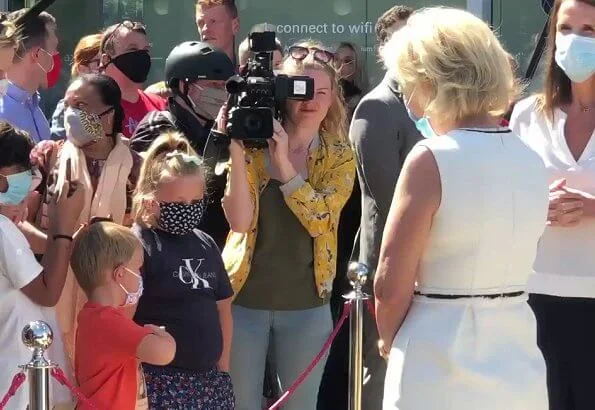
pixel 518 22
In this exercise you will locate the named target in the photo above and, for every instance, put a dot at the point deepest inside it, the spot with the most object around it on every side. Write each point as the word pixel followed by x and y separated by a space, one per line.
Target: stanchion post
pixel 38 337
pixel 358 276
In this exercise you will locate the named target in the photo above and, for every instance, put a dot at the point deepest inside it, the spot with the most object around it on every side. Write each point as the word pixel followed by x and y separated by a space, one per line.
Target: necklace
pixel 585 108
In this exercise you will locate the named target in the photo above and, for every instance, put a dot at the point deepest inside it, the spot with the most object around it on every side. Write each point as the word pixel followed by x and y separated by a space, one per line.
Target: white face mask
pixel 132 298
pixel 210 101
pixel 83 128
pixel 576 56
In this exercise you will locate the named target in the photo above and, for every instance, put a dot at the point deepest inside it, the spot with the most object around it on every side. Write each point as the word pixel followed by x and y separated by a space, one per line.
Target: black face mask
pixel 135 65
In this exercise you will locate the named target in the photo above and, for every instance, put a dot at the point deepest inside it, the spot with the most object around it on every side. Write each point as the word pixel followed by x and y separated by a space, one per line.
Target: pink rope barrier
pixel 283 399
pixel 17 382
pixel 59 375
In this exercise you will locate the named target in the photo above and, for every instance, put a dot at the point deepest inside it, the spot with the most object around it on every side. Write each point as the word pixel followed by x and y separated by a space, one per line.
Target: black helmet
pixel 196 60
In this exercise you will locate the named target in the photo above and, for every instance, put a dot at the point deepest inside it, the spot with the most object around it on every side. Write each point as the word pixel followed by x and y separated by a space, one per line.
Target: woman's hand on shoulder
pixel 41 153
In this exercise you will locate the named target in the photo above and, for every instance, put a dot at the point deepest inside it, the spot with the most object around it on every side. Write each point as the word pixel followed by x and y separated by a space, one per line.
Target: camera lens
pixel 253 123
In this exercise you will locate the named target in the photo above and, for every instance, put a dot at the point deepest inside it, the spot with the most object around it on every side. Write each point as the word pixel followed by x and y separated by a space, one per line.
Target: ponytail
pixel 170 153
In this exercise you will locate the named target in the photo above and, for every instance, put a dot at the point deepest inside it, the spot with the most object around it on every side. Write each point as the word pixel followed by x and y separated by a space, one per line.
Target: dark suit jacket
pixel 382 135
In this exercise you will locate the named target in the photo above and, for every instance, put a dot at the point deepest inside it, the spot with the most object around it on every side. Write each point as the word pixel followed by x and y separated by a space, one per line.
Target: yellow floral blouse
pixel 317 204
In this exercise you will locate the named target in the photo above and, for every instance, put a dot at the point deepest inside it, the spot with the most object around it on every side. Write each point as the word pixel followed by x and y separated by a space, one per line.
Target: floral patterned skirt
pixel 174 388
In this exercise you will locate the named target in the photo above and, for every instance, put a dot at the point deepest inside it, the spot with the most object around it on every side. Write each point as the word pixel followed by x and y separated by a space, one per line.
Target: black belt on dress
pixel 490 296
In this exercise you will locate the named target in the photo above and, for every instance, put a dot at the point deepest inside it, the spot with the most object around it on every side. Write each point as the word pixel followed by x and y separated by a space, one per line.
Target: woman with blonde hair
pixel 85 61
pixel 467 213
pixel 283 205
pixel 559 124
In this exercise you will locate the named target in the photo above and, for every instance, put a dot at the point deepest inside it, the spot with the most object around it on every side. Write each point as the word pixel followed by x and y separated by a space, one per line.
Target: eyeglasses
pixel 130 25
pixel 300 53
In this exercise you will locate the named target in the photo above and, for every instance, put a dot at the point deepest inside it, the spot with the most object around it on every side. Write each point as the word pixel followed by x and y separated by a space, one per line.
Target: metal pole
pixel 39 394
pixel 358 275
pixel 38 337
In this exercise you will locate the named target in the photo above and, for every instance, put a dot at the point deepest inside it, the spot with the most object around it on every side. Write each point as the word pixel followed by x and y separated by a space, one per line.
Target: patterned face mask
pixel 179 218
pixel 83 128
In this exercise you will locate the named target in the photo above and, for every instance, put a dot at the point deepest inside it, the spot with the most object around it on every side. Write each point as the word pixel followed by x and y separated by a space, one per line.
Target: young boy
pixel 109 346
pixel 28 290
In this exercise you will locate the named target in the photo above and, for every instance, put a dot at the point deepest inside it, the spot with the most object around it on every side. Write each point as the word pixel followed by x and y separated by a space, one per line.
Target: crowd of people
pixel 174 283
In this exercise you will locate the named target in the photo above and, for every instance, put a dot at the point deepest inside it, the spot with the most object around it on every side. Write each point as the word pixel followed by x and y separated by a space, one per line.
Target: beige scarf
pixel 109 199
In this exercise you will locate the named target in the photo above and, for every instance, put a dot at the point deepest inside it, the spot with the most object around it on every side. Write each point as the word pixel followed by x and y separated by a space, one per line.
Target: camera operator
pixel 283 205
pixel 195 72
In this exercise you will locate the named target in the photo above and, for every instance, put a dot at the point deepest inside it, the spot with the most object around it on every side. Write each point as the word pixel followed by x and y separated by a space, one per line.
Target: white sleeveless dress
pixel 475 353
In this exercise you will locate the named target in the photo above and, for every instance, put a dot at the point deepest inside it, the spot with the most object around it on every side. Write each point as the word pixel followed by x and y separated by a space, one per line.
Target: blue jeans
pixel 298 336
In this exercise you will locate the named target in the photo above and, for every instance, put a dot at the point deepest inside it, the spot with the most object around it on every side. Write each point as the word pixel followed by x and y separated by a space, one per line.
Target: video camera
pixel 257 96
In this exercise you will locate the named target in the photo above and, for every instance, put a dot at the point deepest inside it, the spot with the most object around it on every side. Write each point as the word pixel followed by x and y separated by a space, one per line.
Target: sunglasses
pixel 300 53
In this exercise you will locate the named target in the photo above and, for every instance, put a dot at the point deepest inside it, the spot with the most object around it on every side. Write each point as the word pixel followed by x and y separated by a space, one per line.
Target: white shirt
pixel 18 267
pixel 565 262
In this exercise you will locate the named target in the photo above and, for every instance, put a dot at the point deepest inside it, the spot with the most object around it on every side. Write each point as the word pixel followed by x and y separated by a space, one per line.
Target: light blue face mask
pixel 19 186
pixel 576 56
pixel 422 124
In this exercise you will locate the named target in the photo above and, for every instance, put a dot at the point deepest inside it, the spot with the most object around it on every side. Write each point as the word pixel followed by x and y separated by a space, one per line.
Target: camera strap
pixel 216 155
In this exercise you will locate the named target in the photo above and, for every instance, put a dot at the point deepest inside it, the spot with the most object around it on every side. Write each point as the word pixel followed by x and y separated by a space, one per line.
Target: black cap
pixel 196 60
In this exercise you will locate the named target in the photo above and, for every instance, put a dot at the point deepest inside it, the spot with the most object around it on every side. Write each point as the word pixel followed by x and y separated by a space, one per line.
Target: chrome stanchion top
pixel 357 273
pixel 38 337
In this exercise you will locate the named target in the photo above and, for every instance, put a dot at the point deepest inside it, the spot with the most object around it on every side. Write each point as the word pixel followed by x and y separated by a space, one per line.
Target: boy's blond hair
pixel 101 247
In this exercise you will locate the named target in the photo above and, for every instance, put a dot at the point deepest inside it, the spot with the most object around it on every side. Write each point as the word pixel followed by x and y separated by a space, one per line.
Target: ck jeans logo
pixel 189 274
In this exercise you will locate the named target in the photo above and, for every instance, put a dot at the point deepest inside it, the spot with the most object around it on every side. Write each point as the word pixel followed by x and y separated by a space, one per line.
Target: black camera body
pixel 258 95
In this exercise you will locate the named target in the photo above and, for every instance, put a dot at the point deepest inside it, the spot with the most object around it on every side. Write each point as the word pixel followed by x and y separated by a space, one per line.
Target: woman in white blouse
pixel 559 125
pixel 460 239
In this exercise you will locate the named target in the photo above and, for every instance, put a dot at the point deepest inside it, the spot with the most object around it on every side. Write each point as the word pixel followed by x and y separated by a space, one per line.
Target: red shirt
pixel 105 365
pixel 135 112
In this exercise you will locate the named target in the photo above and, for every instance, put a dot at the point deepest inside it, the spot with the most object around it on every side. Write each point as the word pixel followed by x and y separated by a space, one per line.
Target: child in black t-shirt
pixel 186 288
